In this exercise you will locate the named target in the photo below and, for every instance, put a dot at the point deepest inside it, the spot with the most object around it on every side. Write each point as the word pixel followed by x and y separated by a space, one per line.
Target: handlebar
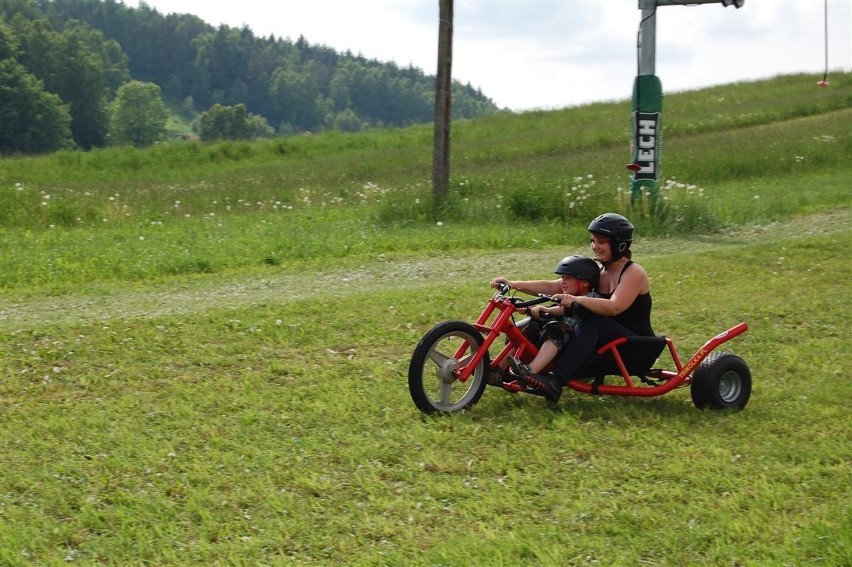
pixel 503 290
pixel 538 300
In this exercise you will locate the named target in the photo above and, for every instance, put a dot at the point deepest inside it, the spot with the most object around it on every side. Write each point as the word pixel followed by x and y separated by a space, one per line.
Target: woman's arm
pixel 633 283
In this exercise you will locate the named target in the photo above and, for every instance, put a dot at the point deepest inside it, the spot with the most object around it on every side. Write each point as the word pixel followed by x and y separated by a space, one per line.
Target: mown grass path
pixel 219 420
pixel 209 292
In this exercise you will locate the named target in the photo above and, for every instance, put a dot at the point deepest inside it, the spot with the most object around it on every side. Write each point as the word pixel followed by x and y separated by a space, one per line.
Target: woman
pixel 621 307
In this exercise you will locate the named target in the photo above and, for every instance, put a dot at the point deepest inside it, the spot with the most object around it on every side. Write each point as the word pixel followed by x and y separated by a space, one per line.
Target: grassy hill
pixel 735 154
pixel 203 348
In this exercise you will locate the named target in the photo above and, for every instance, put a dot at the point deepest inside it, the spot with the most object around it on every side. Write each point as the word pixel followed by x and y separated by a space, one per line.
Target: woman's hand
pixel 498 281
pixel 564 299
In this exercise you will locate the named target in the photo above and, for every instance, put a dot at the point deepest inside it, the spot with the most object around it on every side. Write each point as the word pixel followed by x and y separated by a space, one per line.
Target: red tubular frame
pixel 500 325
pixel 524 349
pixel 673 380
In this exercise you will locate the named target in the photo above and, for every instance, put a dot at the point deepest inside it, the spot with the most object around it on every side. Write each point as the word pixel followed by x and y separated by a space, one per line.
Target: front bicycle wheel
pixel 432 380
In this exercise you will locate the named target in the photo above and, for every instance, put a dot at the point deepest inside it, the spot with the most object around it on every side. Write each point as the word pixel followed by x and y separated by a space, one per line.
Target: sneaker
pixel 519 369
pixel 548 385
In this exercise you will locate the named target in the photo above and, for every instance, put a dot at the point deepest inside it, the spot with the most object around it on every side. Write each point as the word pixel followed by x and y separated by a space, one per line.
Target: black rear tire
pixel 431 381
pixel 721 381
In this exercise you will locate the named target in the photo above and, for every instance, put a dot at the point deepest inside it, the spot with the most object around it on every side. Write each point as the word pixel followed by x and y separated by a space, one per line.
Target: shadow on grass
pixel 501 406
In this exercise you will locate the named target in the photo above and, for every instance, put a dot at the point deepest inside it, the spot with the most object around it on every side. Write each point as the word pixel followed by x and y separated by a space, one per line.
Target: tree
pixel 138 114
pixel 80 66
pixel 347 121
pixel 8 42
pixel 294 93
pixel 83 84
pixel 223 123
pixel 338 89
pixel 231 123
pixel 32 120
pixel 259 127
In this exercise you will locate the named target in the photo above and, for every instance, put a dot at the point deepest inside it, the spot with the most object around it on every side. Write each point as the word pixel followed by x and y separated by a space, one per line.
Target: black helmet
pixel 580 267
pixel 618 229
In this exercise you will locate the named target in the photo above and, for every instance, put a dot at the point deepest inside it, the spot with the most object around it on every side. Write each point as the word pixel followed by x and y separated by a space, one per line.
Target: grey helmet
pixel 580 267
pixel 618 229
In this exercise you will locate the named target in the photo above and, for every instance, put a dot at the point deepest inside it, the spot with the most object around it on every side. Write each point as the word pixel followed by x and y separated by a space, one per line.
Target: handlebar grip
pixel 537 301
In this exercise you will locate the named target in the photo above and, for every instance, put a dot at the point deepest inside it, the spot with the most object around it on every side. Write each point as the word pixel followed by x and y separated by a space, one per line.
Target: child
pixel 578 276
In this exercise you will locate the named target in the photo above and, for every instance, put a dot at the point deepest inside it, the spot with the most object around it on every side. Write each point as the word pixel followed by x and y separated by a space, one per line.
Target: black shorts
pixel 558 331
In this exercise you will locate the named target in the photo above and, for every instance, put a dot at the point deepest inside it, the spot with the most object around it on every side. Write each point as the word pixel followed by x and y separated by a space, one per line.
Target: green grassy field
pixel 203 349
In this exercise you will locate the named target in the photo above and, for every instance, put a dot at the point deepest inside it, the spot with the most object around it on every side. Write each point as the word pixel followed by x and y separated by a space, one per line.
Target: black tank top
pixel 637 317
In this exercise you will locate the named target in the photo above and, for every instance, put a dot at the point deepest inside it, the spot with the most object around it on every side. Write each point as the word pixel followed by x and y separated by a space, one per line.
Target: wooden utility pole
pixel 443 106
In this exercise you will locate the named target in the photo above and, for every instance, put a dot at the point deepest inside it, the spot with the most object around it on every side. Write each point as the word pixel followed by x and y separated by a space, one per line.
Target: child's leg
pixel 548 351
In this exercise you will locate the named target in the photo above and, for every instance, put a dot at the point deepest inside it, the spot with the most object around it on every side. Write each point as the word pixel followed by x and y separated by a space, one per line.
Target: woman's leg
pixel 589 334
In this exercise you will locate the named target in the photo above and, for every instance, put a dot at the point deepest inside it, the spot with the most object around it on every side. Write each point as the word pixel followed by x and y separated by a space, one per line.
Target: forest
pixel 63 64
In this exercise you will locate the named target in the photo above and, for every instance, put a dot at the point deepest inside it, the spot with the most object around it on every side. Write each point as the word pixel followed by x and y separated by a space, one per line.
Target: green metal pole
pixel 648 102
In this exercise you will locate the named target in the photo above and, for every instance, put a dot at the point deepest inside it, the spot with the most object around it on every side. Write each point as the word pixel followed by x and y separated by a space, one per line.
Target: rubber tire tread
pixel 705 390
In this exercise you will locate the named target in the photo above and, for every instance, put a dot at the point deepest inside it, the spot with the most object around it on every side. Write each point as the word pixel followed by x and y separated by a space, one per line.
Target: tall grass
pixel 518 180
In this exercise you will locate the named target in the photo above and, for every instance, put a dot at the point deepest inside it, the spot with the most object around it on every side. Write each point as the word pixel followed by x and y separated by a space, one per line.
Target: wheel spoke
pixel 446 390
pixel 465 360
pixel 437 357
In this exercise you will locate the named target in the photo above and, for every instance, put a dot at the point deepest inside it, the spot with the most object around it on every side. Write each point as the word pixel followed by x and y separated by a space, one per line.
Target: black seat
pixel 638 353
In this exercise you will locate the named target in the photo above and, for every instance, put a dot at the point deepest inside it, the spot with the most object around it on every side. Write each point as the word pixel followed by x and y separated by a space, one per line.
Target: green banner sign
pixel 647 135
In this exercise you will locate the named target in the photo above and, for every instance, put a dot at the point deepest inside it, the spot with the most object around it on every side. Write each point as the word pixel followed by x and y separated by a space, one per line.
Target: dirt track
pixel 199 294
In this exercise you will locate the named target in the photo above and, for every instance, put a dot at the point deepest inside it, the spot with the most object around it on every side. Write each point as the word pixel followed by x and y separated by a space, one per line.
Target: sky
pixel 548 54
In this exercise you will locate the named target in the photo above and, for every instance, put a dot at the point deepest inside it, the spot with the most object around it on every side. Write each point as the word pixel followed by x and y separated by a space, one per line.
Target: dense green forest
pixel 63 62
